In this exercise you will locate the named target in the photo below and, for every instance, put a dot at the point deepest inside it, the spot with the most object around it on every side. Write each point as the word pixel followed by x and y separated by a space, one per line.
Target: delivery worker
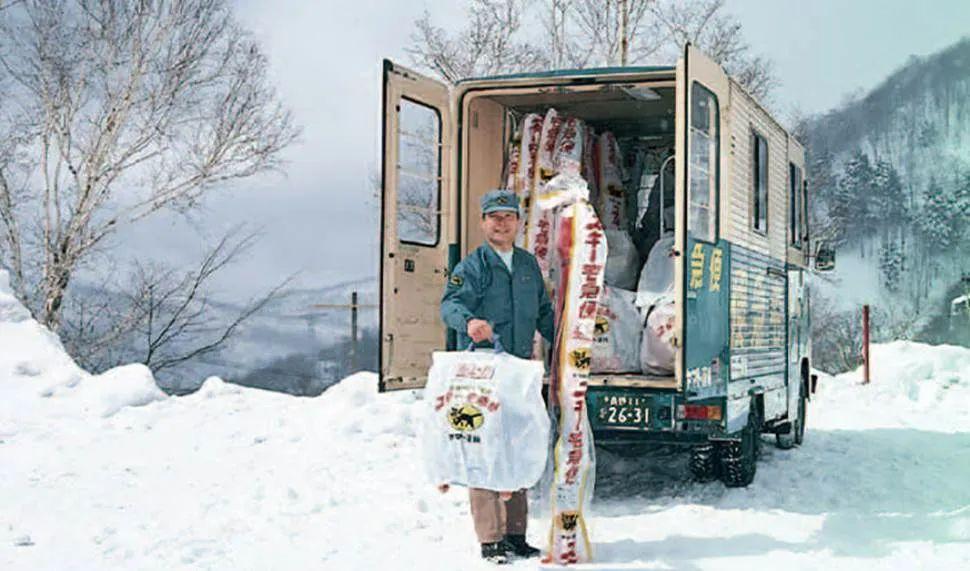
pixel 498 290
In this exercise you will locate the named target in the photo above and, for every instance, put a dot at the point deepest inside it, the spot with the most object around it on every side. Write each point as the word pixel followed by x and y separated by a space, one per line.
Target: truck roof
pixel 572 72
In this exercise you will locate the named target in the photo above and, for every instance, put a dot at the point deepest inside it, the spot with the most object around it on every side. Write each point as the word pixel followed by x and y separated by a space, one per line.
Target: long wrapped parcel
pixel 581 252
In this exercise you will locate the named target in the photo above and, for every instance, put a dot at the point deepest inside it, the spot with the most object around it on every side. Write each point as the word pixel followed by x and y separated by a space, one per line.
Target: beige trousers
pixel 494 518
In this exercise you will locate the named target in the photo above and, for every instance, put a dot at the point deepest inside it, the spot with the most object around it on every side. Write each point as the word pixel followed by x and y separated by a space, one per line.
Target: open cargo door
pixel 703 266
pixel 416 215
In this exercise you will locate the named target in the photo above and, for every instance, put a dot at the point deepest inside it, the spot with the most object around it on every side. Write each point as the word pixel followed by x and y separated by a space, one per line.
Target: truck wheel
pixel 797 432
pixel 739 459
pixel 703 462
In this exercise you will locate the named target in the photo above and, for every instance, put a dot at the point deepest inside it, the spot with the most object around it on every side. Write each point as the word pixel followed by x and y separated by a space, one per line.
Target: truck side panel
pixel 759 283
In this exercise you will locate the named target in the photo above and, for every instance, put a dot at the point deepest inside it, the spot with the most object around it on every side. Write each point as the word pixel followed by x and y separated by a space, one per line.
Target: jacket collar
pixel 493 259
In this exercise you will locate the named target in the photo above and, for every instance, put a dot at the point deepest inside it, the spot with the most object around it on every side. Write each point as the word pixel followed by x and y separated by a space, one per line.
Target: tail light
pixel 698 412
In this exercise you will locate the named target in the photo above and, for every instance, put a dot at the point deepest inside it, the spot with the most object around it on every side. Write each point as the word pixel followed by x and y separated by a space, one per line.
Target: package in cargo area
pixel 611 203
pixel 657 351
pixel 616 335
pixel 547 144
pixel 623 262
pixel 484 424
pixel 655 298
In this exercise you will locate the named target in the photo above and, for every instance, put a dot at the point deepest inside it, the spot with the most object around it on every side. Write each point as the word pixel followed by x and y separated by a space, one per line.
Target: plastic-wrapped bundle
pixel 589 164
pixel 612 196
pixel 657 351
pixel 616 336
pixel 512 178
pixel 569 147
pixel 623 263
pixel 526 172
pixel 655 298
pixel 485 424
pixel 581 256
pixel 547 144
pixel 657 277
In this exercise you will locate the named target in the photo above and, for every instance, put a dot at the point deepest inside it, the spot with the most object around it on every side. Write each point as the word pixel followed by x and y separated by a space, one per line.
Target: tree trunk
pixel 624 22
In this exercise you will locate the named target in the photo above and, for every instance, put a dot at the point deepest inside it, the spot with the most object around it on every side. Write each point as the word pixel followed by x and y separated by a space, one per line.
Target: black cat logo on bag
pixel 568 520
pixel 602 325
pixel 580 358
pixel 466 417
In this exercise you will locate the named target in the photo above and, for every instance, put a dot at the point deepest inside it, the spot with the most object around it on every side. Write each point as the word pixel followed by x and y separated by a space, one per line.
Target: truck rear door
pixel 703 266
pixel 416 221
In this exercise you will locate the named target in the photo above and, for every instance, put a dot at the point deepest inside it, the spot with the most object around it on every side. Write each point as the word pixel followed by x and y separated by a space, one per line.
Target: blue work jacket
pixel 515 304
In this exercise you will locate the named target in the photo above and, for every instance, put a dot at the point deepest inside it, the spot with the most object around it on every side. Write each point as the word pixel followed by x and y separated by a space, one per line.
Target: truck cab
pixel 731 191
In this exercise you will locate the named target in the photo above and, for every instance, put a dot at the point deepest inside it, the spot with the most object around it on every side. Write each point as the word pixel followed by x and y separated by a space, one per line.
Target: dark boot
pixel 519 547
pixel 496 552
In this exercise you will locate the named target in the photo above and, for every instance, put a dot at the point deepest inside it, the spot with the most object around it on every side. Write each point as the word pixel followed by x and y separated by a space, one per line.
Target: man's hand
pixel 479 330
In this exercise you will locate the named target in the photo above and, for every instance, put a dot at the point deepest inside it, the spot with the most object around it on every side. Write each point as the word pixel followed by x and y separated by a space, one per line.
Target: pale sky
pixel 321 217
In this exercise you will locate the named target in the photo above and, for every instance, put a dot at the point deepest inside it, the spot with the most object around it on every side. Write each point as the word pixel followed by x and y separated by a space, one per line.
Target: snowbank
pixel 913 385
pixel 38 379
pixel 102 472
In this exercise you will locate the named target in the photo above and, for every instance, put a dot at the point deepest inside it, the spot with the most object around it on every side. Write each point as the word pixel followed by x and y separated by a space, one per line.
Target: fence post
pixel 353 332
pixel 865 344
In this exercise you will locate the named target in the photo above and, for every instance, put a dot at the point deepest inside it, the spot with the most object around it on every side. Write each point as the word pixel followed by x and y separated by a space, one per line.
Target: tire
pixel 703 462
pixel 796 434
pixel 739 460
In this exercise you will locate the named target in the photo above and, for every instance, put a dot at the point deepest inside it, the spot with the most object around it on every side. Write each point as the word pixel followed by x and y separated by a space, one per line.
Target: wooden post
pixel 353 332
pixel 354 308
pixel 865 344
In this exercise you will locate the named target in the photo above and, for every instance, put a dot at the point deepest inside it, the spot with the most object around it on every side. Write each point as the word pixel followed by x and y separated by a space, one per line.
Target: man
pixel 498 290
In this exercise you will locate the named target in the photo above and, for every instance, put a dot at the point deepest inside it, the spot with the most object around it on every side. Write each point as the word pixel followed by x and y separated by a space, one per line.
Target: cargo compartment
pixel 640 117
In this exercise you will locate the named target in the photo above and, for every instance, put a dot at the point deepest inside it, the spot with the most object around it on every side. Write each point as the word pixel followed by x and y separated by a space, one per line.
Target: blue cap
pixel 499 200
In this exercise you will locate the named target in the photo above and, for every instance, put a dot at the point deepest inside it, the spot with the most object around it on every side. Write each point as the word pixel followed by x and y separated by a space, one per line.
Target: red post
pixel 865 344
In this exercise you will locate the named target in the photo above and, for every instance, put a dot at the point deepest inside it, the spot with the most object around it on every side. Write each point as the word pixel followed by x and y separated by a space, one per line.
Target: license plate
pixel 623 411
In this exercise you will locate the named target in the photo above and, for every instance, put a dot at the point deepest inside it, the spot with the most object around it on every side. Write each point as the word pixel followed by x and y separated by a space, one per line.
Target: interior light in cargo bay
pixel 698 412
pixel 641 93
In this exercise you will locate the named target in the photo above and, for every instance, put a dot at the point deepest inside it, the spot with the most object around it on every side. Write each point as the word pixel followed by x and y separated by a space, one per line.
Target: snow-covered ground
pixel 105 472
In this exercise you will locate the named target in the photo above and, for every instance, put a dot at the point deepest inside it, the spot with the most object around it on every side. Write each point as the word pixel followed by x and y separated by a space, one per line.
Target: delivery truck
pixel 714 200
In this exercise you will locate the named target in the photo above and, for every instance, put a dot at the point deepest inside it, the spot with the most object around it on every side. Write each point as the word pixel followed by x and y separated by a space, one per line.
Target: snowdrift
pixel 38 379
pixel 913 385
pixel 105 472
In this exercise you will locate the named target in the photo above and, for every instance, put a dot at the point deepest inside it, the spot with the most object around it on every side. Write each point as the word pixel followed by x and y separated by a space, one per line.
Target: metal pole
pixel 353 332
pixel 865 344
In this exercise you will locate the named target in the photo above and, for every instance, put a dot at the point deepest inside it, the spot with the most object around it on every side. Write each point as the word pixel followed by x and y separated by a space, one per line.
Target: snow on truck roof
pixel 572 72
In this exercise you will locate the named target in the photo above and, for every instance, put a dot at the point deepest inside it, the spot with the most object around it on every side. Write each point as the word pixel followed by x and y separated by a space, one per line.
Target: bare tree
pixel 585 33
pixel 488 45
pixel 161 318
pixel 562 51
pixel 616 32
pixel 704 24
pixel 115 111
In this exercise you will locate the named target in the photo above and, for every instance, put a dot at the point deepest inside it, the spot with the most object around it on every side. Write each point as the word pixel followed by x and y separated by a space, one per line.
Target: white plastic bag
pixel 485 423
pixel 657 277
pixel 616 337
pixel 655 298
pixel 623 260
pixel 657 351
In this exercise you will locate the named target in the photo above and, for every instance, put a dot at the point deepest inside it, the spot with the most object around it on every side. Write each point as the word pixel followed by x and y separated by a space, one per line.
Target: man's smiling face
pixel 500 228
